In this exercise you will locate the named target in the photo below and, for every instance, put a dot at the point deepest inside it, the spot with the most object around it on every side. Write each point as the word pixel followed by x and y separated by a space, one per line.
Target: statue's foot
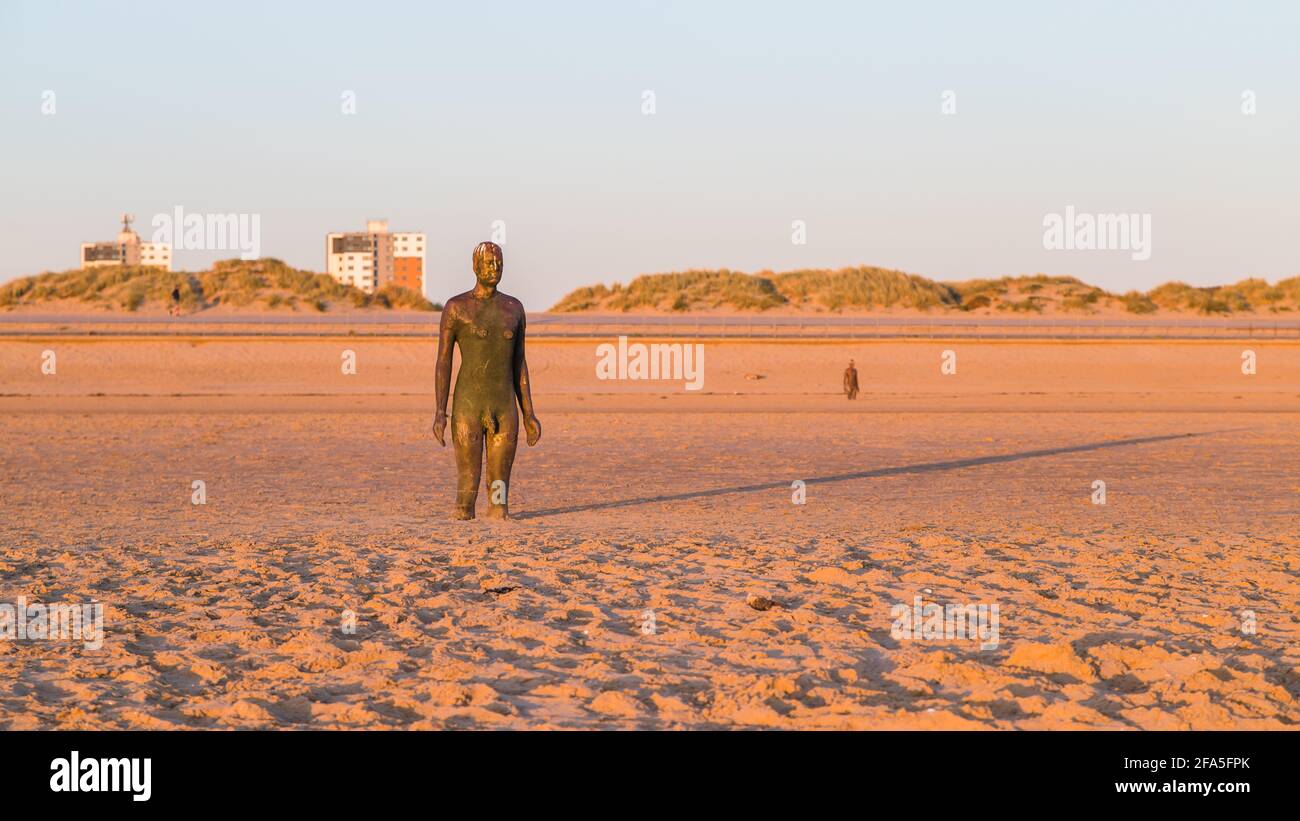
pixel 495 512
pixel 461 514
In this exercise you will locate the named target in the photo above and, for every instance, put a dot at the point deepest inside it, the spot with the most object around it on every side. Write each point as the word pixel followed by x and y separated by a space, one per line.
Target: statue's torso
pixel 486 330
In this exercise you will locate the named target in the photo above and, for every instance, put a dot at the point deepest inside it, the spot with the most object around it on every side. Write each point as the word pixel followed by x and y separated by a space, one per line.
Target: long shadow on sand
pixel 925 467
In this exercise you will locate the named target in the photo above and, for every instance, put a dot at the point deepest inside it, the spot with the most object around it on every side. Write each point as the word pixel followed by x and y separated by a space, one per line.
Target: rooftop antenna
pixel 127 219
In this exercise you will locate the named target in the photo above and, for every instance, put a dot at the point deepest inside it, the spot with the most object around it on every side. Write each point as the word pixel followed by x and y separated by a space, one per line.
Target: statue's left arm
pixel 523 390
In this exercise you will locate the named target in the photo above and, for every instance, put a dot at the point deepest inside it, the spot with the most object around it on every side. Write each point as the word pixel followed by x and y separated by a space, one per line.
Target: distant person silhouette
pixel 176 301
pixel 851 381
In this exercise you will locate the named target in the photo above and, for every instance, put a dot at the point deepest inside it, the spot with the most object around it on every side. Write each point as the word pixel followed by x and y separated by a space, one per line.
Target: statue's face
pixel 487 269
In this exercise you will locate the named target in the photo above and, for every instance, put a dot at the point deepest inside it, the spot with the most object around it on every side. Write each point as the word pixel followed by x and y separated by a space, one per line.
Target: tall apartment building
pixel 127 249
pixel 375 258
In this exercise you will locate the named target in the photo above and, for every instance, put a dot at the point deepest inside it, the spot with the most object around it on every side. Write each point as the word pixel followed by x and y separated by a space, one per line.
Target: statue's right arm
pixel 442 377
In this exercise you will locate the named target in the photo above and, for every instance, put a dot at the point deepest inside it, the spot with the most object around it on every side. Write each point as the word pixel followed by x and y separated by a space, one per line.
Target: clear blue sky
pixel 766 113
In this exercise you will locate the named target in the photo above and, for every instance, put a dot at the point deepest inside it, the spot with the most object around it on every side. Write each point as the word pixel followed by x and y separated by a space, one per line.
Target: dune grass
pixel 268 283
pixel 686 291
pixel 1247 295
pixel 703 290
pixel 867 288
pixel 271 284
pixel 864 288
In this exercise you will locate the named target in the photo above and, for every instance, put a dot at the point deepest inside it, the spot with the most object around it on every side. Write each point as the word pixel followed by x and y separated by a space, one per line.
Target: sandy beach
pixel 658 573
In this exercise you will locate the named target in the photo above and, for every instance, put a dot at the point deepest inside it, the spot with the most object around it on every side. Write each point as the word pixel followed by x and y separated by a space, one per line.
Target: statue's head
pixel 488 263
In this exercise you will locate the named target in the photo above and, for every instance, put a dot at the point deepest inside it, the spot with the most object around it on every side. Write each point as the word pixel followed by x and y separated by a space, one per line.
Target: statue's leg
pixel 467 436
pixel 501 447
